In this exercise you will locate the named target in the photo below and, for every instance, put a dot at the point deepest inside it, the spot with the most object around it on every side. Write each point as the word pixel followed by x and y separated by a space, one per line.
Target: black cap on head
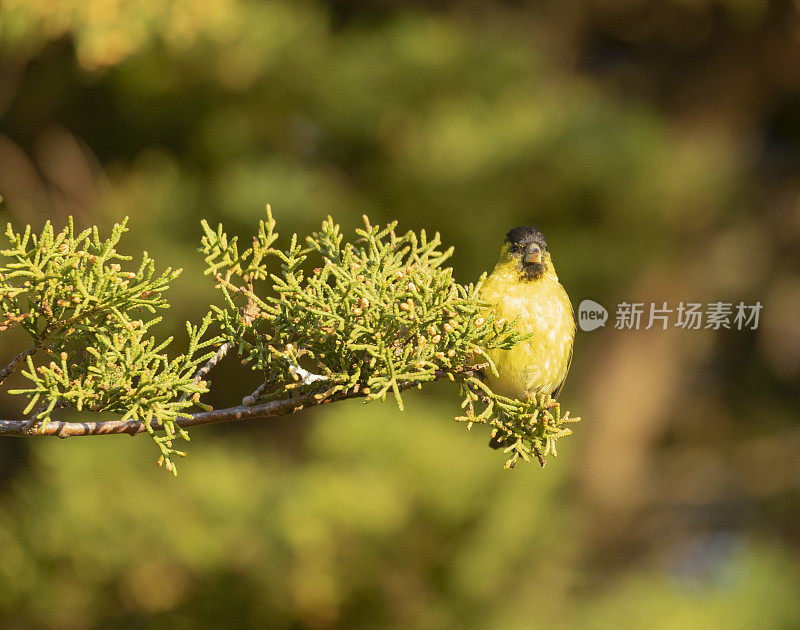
pixel 524 235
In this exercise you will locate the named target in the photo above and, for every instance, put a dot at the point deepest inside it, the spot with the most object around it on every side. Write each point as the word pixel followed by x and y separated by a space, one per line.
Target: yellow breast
pixel 540 364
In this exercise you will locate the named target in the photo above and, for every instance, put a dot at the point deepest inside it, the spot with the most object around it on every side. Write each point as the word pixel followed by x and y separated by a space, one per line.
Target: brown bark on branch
pixel 9 369
pixel 269 409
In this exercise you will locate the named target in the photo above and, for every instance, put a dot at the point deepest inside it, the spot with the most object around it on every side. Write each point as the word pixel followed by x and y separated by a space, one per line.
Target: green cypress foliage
pixel 372 316
pixel 326 319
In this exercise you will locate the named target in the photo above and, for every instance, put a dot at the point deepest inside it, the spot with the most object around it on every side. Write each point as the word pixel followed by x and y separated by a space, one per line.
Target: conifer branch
pixel 273 408
pixel 12 366
pixel 212 362
pixel 323 320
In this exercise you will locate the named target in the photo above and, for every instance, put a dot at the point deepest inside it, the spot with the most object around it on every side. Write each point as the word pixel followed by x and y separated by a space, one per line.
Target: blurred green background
pixel 657 144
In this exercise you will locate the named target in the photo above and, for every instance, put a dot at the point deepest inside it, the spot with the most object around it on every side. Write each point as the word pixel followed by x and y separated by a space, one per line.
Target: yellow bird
pixel 524 285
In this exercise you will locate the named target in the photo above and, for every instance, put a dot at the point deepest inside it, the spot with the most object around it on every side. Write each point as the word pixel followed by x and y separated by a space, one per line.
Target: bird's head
pixel 526 249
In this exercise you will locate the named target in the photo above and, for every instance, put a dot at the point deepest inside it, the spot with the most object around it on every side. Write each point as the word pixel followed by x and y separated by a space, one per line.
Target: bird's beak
pixel 533 256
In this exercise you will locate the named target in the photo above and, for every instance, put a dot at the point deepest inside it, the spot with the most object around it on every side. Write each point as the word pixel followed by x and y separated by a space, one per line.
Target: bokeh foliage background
pixel 658 147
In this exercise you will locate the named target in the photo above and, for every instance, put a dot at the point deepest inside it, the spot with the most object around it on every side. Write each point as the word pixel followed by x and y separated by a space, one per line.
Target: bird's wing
pixel 557 391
